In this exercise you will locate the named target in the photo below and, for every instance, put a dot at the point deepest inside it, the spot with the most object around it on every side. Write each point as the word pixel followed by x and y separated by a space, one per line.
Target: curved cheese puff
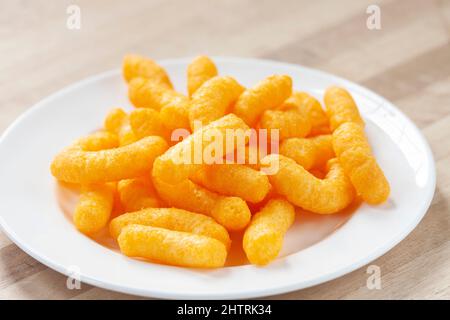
pixel 175 115
pixel 172 105
pixel 118 122
pixel 146 122
pixel 308 105
pixel 172 219
pixel 263 238
pixel 213 99
pixel 290 123
pixel 99 141
pixel 341 107
pixel 200 70
pixel 78 166
pixel 94 207
pixel 267 94
pixel 178 163
pixel 309 152
pixel 355 155
pixel 234 180
pixel 136 194
pixel 145 94
pixel 231 212
pixel 115 120
pixel 95 195
pixel 135 66
pixel 303 189
pixel 172 247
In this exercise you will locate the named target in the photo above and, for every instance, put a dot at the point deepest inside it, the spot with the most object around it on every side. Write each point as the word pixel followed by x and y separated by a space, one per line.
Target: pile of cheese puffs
pixel 168 168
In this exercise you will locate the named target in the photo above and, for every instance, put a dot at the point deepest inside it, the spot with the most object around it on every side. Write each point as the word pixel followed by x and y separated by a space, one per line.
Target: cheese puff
pixel 136 194
pixel 94 207
pixel 175 114
pixel 231 212
pixel 99 141
pixel 308 105
pixel 173 106
pixel 115 120
pixel 146 122
pixel 145 94
pixel 118 122
pixel 355 155
pixel 172 247
pixel 75 165
pixel 234 180
pixel 290 123
pixel 179 162
pixel 172 219
pixel 200 70
pixel 311 152
pixel 213 99
pixel 135 66
pixel 263 238
pixel 303 189
pixel 341 107
pixel 267 94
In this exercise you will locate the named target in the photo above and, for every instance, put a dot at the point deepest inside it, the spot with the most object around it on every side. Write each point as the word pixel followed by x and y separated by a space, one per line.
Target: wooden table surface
pixel 407 61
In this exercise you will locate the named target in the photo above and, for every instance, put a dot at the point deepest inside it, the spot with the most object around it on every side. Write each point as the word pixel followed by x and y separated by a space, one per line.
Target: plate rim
pixel 247 293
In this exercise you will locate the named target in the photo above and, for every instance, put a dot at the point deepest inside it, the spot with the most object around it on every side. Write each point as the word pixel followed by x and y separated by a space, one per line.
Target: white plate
pixel 32 218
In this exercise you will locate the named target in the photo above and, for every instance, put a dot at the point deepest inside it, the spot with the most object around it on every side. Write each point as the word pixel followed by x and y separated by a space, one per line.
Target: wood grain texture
pixel 407 61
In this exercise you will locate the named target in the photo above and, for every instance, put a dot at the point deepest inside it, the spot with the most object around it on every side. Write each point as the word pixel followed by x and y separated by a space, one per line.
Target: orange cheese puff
pixel 146 122
pixel 173 106
pixel 303 189
pixel 179 162
pixel 135 66
pixel 355 155
pixel 118 122
pixel 308 105
pixel 341 107
pixel 213 99
pixel 231 212
pixel 175 114
pixel 267 94
pixel 98 141
pixel 172 219
pixel 234 180
pixel 136 194
pixel 172 247
pixel 290 123
pixel 200 70
pixel 309 152
pixel 263 238
pixel 75 165
pixel 94 207
pixel 145 94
